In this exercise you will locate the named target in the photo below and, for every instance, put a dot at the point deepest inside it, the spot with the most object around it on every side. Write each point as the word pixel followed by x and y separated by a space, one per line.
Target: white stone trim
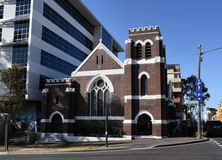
pixel 144 112
pixel 114 118
pixel 96 72
pixel 137 42
pixel 138 97
pixel 160 122
pixel 146 28
pixel 44 134
pixel 60 80
pixel 59 113
pixel 148 40
pixel 45 121
pixel 64 121
pixel 54 113
pixel 128 41
pixel 129 121
pixel 105 78
pixel 154 60
pixel 69 121
pixel 94 139
pixel 128 137
pixel 143 73
pixel 99 46
pixel 150 136
pixel 158 38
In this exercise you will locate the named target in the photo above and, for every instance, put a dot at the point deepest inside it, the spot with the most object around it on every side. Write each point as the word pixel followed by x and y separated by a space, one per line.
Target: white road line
pixel 217 143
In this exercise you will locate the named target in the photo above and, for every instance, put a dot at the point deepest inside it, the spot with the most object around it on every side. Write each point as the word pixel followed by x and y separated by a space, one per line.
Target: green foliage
pixel 13 80
pixel 189 91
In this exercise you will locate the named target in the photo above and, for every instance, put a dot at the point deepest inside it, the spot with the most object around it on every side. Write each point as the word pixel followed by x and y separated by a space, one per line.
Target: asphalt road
pixel 211 150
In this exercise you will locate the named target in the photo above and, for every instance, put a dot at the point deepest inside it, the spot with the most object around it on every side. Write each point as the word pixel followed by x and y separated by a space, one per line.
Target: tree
pixel 189 91
pixel 13 89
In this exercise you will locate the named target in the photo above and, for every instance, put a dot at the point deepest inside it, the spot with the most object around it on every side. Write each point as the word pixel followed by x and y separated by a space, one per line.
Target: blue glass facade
pixel 21 31
pixel 62 23
pixel 55 63
pixel 107 39
pixel 22 7
pixel 0 34
pixel 1 11
pixel 76 15
pixel 20 54
pixel 58 42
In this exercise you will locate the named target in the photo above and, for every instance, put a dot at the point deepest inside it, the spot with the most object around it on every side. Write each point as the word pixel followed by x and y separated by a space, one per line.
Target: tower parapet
pixel 144 29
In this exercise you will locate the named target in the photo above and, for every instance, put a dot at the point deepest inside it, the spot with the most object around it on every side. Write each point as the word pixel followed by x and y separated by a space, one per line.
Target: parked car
pixel 213 128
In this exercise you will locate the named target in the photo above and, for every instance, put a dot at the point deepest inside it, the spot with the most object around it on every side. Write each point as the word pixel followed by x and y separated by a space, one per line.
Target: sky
pixel 183 23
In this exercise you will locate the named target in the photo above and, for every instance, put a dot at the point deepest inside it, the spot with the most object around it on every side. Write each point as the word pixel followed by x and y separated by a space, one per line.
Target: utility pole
pixel 199 88
pixel 199 99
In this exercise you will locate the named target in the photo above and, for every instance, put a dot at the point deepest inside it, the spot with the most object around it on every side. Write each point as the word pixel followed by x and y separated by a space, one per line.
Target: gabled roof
pixel 99 46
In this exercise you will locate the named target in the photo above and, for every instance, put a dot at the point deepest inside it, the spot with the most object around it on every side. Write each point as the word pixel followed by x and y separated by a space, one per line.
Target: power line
pixel 212 50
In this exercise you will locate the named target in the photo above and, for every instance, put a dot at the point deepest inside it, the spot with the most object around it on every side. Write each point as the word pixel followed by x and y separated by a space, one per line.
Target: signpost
pixel 199 90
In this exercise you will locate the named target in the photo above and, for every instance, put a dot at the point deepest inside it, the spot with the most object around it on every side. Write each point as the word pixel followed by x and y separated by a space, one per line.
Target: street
pixel 210 150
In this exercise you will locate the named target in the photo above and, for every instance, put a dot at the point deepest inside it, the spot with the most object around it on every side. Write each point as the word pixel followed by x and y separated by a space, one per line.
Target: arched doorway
pixel 56 125
pixel 144 125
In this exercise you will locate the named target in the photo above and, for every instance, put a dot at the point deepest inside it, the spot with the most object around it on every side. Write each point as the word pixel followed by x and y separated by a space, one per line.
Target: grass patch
pixel 49 149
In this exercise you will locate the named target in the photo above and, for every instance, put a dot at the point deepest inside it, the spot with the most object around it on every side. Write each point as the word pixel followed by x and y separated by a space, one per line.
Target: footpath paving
pixel 137 144
pixel 143 143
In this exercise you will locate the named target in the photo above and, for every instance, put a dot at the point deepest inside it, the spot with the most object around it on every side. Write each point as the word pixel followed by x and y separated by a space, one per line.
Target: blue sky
pixel 183 23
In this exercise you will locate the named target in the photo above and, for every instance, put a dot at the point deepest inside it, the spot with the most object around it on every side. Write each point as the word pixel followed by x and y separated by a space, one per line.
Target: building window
pixel 143 85
pixel 22 7
pixel 1 11
pixel 139 51
pixel 19 55
pixel 97 59
pixel 61 44
pixel 100 98
pixel 21 32
pixel 72 11
pixel 55 63
pixel 62 23
pixel 102 59
pixel 0 34
pixel 148 50
pixel 57 100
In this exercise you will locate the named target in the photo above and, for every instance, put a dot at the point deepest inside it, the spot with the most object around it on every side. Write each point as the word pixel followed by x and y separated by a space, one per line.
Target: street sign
pixel 199 90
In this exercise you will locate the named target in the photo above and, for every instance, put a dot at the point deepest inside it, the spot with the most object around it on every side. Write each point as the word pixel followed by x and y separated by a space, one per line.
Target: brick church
pixel 133 93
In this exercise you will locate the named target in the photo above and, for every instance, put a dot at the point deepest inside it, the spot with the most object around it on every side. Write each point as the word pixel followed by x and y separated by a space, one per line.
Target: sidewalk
pixel 155 143
pixel 99 146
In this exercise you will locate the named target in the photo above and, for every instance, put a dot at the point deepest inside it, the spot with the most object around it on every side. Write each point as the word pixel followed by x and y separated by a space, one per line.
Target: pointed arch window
pixel 100 97
pixel 148 50
pixel 139 51
pixel 144 85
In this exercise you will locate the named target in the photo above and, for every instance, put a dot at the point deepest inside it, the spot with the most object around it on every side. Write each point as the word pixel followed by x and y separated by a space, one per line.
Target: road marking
pixel 217 143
